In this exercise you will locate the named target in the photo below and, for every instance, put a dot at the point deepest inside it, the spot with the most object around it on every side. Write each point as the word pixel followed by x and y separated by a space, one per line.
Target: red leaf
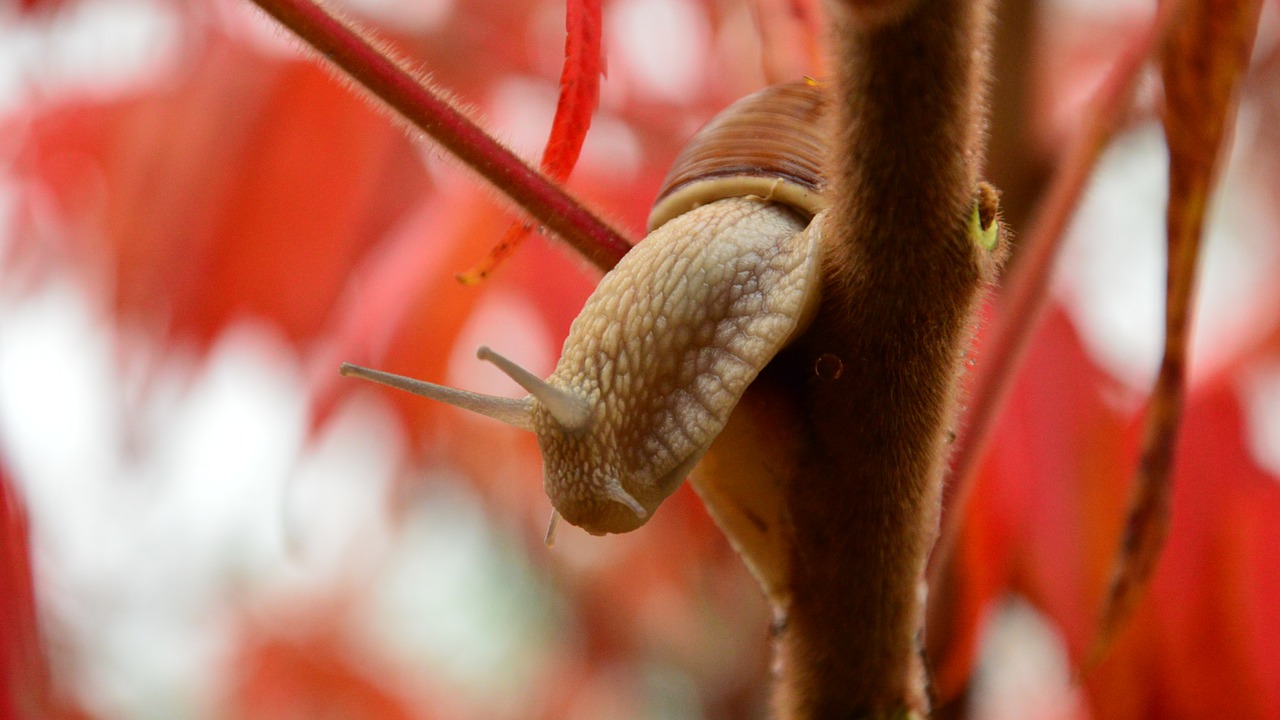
pixel 312 672
pixel 1044 506
pixel 272 180
pixel 1047 512
pixel 401 311
pixel 1202 642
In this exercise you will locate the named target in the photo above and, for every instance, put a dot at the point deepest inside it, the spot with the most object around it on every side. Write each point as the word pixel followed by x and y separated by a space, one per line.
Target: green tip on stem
pixel 987 237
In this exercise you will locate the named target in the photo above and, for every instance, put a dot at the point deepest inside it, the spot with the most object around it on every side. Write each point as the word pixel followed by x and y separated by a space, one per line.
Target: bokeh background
pixel 198 222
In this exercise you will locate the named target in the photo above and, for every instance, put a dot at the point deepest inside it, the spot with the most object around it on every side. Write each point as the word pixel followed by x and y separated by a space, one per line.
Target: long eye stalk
pixel 571 412
pixel 514 412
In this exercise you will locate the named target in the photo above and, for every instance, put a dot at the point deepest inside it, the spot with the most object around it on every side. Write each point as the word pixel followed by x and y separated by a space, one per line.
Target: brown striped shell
pixel 771 144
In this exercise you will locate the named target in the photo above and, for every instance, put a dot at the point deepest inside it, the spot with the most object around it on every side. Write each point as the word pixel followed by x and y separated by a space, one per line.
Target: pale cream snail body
pixel 671 338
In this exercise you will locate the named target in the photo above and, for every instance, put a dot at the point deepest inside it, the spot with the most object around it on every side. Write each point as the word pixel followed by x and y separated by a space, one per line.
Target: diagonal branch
pixel 427 109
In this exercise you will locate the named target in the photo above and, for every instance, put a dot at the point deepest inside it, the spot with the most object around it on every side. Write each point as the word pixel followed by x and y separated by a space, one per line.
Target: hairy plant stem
pixel 427 109
pixel 903 278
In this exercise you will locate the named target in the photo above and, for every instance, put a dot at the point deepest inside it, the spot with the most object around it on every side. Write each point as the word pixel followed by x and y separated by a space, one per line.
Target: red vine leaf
pixel 24 674
pixel 1048 502
pixel 274 180
pixel 579 97
pixel 1202 641
pixel 400 312
pixel 398 309
pixel 312 673
pixel 27 687
pixel 1050 480
pixel 1203 63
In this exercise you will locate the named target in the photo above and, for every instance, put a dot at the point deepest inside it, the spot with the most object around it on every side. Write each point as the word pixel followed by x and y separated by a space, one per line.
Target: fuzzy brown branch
pixel 428 109
pixel 904 276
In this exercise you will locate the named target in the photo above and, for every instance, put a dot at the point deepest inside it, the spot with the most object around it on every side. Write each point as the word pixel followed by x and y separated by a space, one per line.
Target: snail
pixel 672 337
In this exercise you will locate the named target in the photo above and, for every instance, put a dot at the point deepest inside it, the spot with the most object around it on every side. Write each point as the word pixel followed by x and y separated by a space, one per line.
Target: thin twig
pixel 1028 286
pixel 427 109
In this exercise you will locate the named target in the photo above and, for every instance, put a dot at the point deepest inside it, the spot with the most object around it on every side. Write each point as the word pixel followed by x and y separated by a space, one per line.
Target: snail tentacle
pixel 515 412
pixel 568 409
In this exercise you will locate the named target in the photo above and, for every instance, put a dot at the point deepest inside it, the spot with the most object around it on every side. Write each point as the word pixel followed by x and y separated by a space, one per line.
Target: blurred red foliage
pixel 24 682
pixel 253 184
pixel 312 674
pixel 1046 518
pixel 27 686
pixel 197 192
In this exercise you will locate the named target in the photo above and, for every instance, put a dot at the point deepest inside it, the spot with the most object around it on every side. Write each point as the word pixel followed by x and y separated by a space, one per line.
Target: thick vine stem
pixel 903 278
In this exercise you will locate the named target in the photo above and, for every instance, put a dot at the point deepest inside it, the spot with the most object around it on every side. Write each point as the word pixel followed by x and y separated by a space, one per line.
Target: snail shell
pixel 671 338
pixel 769 144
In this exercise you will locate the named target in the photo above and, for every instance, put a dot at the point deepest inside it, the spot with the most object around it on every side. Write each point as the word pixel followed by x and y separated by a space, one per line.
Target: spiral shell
pixel 771 144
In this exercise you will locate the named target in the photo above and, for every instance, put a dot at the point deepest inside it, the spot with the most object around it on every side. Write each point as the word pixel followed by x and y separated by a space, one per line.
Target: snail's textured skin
pixel 665 347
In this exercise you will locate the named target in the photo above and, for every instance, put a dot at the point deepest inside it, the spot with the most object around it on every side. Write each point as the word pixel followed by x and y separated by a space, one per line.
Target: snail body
pixel 664 349
pixel 671 338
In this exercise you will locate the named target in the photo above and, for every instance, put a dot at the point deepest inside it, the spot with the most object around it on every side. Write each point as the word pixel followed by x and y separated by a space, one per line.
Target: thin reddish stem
pixel 428 110
pixel 1028 285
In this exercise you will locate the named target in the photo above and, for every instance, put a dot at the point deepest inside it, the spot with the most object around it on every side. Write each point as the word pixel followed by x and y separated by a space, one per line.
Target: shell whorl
pixel 772 144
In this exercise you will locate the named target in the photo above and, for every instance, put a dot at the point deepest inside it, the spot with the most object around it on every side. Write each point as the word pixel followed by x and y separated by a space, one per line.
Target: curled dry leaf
pixel 1203 65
